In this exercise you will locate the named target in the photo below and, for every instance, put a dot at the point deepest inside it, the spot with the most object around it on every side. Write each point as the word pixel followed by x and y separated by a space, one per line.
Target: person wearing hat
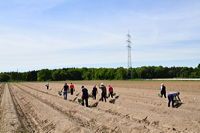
pixel 162 90
pixel 103 92
pixel 66 88
pixel 173 97
pixel 84 96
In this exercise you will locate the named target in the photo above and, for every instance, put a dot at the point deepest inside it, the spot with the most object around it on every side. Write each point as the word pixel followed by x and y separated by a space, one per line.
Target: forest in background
pixel 145 72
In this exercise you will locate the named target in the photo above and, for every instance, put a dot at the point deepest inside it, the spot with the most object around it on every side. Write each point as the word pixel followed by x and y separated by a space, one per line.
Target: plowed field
pixel 135 108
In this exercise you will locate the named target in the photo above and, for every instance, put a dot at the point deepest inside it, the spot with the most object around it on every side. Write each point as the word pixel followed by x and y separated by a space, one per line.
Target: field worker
pixel 103 93
pixel 84 96
pixel 172 97
pixel 162 90
pixel 110 89
pixel 47 85
pixel 72 89
pixel 94 92
pixel 66 88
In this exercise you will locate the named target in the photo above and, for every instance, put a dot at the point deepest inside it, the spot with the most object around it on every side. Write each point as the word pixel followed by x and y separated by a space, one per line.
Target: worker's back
pixel 85 93
pixel 103 88
pixel 173 93
pixel 66 87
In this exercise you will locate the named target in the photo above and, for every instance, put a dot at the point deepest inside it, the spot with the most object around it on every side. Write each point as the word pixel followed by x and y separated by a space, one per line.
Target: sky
pixel 38 34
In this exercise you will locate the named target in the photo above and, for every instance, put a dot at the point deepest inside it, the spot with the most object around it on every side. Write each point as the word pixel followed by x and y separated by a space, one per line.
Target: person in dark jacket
pixel 66 89
pixel 162 90
pixel 104 92
pixel 172 97
pixel 94 92
pixel 84 96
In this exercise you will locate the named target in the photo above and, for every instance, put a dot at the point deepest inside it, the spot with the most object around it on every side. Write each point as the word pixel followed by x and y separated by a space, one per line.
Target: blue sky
pixel 38 34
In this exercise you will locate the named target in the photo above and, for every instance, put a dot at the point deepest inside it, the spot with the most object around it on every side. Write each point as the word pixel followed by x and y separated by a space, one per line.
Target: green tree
pixel 198 71
pixel 141 72
pixel 198 66
pixel 100 74
pixel 14 76
pixel 31 76
pixel 44 75
pixel 56 75
pixel 4 77
pixel 120 73
pixel 193 75
pixel 159 72
pixel 110 73
pixel 134 73
pixel 87 75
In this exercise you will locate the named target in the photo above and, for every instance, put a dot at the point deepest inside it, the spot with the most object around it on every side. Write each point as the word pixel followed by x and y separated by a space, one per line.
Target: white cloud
pixel 47 43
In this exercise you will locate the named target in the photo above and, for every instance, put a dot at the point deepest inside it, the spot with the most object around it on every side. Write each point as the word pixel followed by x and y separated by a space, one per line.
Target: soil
pixel 135 108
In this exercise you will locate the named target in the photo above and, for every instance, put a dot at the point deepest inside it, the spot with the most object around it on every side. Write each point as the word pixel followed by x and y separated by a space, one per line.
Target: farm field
pixel 136 108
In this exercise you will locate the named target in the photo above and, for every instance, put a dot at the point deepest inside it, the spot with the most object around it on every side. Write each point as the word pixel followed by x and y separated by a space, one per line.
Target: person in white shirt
pixel 162 90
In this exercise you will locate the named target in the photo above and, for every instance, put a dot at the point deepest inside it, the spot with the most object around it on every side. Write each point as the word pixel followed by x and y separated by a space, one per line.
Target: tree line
pixel 145 72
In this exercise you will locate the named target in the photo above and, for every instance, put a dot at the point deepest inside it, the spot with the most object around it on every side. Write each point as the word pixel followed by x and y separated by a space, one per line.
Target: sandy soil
pixel 136 108
pixel 9 119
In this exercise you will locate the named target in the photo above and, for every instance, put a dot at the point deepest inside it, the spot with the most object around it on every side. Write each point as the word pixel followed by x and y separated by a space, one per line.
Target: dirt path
pixel 9 118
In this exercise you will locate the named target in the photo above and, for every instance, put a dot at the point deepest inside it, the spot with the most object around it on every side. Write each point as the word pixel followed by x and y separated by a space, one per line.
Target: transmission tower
pixel 129 50
pixel 129 73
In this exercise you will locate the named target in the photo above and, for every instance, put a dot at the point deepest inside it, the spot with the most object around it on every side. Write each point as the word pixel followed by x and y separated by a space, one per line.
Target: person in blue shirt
pixel 172 97
pixel 66 89
pixel 84 96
